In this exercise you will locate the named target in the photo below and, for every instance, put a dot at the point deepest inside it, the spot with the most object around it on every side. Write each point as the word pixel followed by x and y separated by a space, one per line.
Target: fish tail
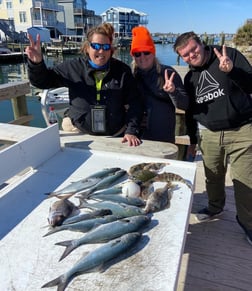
pixel 61 282
pixel 70 246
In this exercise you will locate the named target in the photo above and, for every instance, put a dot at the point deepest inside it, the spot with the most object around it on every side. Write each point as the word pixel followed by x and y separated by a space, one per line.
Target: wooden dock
pixel 217 257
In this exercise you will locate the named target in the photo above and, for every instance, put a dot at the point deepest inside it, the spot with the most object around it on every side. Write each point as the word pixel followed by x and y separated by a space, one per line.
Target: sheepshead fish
pixel 104 183
pixel 106 232
pixel 86 216
pixel 59 211
pixel 84 225
pixel 118 209
pixel 158 200
pixel 96 258
pixel 82 184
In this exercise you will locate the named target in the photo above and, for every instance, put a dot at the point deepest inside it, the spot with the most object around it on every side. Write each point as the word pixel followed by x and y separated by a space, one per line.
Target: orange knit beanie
pixel 142 41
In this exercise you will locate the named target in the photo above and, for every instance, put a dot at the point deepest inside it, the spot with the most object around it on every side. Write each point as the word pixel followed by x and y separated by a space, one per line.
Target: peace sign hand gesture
pixel 33 51
pixel 226 65
pixel 169 85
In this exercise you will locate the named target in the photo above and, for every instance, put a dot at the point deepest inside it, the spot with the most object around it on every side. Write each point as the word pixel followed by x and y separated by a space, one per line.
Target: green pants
pixel 219 148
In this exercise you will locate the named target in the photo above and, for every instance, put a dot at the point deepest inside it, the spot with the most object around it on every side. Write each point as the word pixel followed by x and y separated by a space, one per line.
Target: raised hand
pixel 226 65
pixel 169 85
pixel 33 51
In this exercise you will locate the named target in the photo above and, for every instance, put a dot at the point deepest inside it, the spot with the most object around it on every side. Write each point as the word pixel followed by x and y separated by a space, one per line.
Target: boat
pixel 9 57
pixel 58 98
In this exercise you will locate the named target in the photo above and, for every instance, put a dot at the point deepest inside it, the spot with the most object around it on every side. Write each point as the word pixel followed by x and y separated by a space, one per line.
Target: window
pixel 9 5
pixel 22 16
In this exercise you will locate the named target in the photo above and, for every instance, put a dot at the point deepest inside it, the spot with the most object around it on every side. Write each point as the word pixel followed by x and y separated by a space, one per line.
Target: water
pixel 18 72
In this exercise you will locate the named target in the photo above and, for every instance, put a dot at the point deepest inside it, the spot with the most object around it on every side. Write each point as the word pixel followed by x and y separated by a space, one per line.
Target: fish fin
pixel 70 246
pixel 53 230
pixel 60 281
pixel 59 195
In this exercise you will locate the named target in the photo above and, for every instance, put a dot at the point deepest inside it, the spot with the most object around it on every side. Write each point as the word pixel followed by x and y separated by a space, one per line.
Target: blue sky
pixel 177 16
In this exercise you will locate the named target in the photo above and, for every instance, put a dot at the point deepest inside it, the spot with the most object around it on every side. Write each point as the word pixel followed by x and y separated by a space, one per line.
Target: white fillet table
pixel 29 260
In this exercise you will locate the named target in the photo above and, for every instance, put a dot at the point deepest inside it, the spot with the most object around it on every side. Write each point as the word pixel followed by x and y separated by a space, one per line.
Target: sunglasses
pixel 97 46
pixel 137 55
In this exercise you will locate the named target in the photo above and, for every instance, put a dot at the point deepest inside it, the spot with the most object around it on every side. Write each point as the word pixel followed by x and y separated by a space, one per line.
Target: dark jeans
pixel 219 148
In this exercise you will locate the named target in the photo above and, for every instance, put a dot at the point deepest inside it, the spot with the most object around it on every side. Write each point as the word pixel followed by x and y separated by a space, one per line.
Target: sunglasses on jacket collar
pixel 97 46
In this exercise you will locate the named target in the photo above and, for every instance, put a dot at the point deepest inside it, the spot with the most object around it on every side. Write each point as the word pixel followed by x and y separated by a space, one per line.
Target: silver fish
pixel 85 216
pixel 104 183
pixel 106 232
pixel 85 183
pixel 111 190
pixel 83 226
pixel 59 211
pixel 95 259
pixel 158 200
pixel 137 201
pixel 118 209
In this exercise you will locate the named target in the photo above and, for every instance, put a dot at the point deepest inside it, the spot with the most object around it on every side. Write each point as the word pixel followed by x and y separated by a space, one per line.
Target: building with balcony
pixel 60 17
pixel 124 19
pixel 78 18
pixel 16 16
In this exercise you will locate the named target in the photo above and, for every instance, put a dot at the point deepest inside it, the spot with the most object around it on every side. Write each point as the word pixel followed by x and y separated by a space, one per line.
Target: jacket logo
pixel 208 88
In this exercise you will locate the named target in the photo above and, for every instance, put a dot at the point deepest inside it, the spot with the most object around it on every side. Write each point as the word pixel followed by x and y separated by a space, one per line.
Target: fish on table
pixel 85 216
pixel 158 199
pixel 136 201
pixel 145 171
pixel 118 209
pixel 59 211
pixel 163 177
pixel 96 259
pixel 104 183
pixel 84 225
pixel 84 183
pixel 106 232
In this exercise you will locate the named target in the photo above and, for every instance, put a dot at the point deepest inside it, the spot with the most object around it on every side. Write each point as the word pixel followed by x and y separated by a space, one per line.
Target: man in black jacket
pixel 102 91
pixel 219 85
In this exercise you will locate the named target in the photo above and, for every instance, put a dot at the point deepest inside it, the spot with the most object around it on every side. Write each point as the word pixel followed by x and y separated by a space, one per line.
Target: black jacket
pixel 118 90
pixel 160 106
pixel 219 100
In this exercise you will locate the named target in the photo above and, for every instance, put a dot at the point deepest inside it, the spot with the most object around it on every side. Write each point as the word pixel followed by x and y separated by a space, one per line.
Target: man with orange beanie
pixel 160 85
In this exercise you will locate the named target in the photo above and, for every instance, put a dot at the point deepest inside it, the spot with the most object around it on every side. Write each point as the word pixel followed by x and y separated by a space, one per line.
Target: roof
pixel 125 10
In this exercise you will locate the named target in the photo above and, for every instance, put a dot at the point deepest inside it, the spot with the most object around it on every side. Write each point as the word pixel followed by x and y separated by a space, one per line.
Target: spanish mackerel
pixel 104 183
pixel 95 259
pixel 106 232
pixel 85 183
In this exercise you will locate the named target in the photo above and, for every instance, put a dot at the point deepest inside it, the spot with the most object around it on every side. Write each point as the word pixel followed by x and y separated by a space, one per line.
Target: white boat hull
pixel 58 98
